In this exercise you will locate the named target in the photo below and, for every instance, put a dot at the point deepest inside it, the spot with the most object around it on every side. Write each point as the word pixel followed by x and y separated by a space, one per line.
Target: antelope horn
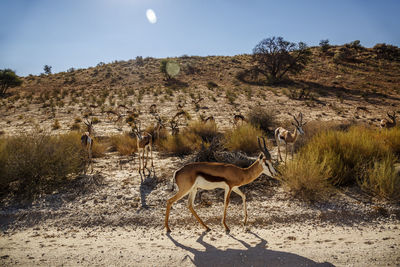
pixel 301 117
pixel 294 117
pixel 266 152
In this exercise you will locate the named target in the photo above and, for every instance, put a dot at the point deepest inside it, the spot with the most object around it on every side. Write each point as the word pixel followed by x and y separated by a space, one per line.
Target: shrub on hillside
pixel 344 54
pixel 324 45
pixel 386 51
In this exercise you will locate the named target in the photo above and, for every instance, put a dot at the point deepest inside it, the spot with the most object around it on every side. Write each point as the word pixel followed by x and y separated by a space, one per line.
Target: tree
pixel 276 57
pixel 8 79
pixel 47 69
pixel 324 45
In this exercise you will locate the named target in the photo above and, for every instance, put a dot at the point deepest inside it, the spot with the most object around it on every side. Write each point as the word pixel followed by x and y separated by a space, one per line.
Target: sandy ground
pixel 112 218
pixel 299 244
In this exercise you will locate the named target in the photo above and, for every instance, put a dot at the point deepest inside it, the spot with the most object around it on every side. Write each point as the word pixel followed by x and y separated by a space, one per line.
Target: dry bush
pixel 206 130
pixel 313 128
pixel 306 177
pixel 123 143
pixel 392 138
pixel 382 179
pixel 181 144
pixel 262 118
pixel 37 162
pixel 359 155
pixel 99 148
pixel 243 138
pixel 198 135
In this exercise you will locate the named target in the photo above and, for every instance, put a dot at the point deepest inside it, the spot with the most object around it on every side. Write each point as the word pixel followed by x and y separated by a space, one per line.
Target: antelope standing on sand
pixel 87 143
pixel 289 138
pixel 389 123
pixel 211 175
pixel 144 144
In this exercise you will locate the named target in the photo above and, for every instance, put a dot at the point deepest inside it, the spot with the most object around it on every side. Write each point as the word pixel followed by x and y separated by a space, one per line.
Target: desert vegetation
pixel 357 156
pixel 209 109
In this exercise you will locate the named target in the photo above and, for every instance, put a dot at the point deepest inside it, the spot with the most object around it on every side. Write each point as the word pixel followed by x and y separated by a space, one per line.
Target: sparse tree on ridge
pixel 276 57
pixel 47 69
pixel 8 79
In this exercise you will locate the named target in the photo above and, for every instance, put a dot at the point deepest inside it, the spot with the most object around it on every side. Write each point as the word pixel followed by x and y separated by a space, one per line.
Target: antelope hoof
pixel 227 230
pixel 168 230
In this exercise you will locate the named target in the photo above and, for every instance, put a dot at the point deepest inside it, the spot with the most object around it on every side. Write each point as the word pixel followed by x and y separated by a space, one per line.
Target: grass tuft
pixel 243 138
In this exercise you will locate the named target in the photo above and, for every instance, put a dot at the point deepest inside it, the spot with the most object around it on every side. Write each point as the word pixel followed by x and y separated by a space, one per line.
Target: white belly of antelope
pixel 204 184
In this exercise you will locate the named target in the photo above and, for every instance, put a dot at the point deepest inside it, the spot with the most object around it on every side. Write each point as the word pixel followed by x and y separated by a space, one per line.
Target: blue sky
pixel 82 33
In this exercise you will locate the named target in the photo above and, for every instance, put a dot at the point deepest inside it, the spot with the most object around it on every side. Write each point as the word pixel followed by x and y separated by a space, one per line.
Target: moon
pixel 151 16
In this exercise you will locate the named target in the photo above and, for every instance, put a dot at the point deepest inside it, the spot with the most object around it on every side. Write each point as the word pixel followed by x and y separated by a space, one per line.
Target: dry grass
pixel 181 144
pixel 382 179
pixel 206 131
pixel 123 143
pixel 262 118
pixel 306 177
pixel 243 138
pixel 358 156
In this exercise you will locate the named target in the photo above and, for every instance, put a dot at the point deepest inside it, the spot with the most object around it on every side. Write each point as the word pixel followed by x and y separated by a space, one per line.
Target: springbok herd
pixel 211 175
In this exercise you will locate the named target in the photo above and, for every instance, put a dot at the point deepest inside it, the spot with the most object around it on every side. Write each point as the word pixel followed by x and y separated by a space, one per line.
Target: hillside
pixel 361 90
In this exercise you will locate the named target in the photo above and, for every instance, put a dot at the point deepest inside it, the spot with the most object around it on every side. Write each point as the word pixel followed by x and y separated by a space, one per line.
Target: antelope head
pixel 299 123
pixel 265 158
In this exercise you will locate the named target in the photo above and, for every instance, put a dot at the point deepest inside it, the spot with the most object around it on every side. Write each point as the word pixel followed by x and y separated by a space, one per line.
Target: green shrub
pixel 36 162
pixel 243 138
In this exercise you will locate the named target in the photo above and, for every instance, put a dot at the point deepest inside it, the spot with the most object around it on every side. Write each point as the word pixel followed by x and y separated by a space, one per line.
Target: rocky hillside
pixel 362 87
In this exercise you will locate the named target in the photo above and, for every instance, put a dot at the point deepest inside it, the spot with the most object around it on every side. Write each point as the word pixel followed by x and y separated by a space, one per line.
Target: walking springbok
pixel 87 143
pixel 289 138
pixel 389 123
pixel 144 144
pixel 211 175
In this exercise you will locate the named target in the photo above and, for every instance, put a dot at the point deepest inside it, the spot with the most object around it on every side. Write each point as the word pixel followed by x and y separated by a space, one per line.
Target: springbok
pixel 285 136
pixel 389 123
pixel 144 143
pixel 87 143
pixel 211 175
